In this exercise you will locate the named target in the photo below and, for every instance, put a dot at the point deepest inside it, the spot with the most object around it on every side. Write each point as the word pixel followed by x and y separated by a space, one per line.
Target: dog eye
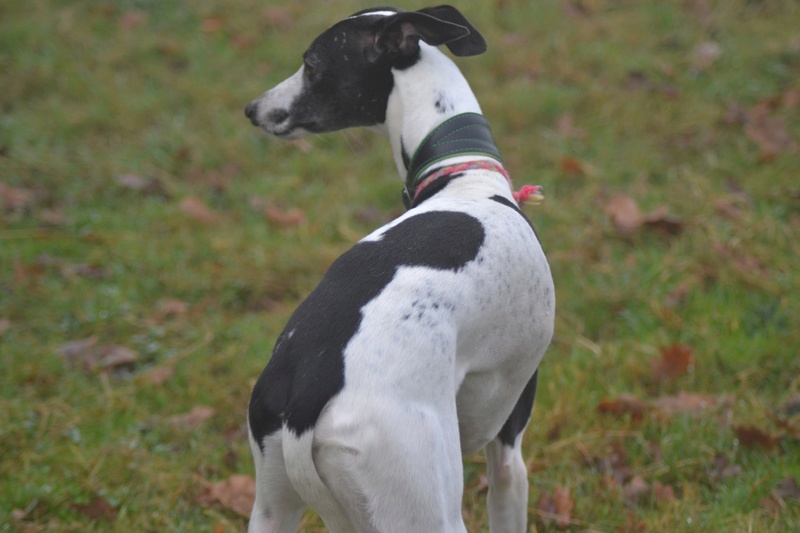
pixel 309 69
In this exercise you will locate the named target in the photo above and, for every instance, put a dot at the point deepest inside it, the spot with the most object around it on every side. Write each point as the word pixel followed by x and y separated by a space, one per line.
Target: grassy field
pixel 153 243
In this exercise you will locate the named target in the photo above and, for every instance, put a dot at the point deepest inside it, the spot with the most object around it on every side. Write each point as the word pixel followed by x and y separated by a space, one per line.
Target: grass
pixel 92 91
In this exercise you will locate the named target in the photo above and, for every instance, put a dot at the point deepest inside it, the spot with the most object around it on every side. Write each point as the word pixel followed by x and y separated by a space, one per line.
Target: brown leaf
pixel 661 220
pixel 627 218
pixel 572 167
pixel 557 507
pixel 194 418
pixel 752 437
pixel 136 183
pixel 170 308
pixel 276 17
pixel 97 509
pixel 84 270
pixel 563 506
pixel 284 217
pixel 212 25
pixel 14 198
pixel 663 493
pixel 624 214
pixel 769 132
pixel 90 357
pixel 688 402
pixel 565 127
pixel 5 325
pixel 788 489
pixel 198 211
pixel 132 19
pixel 116 356
pixel 633 525
pixel 635 489
pixel 237 493
pixel 704 56
pixel 722 468
pixel 675 361
pixel 624 404
pixel 158 375
pixel 745 263
pixel 53 217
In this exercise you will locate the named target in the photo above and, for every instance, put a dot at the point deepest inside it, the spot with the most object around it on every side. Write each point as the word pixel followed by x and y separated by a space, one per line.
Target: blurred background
pixel 153 244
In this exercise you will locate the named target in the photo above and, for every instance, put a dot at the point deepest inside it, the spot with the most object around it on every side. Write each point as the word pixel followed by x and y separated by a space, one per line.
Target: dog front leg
pixel 508 487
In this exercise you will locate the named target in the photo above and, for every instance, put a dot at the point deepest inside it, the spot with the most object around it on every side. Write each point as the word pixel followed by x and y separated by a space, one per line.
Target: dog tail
pixel 306 480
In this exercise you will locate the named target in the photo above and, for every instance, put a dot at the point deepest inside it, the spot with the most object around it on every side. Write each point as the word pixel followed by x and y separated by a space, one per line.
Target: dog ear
pixel 471 44
pixel 402 32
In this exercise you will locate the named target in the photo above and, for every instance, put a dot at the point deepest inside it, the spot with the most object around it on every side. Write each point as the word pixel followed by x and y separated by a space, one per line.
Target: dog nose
pixel 251 112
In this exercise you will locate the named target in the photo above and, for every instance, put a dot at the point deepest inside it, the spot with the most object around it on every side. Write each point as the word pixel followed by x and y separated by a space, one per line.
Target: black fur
pixel 307 365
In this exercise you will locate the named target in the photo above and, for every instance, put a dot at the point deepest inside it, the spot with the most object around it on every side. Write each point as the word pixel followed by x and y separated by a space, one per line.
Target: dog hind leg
pixel 397 470
pixel 277 507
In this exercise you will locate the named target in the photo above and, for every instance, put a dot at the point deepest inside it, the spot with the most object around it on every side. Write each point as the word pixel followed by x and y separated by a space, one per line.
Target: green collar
pixel 464 134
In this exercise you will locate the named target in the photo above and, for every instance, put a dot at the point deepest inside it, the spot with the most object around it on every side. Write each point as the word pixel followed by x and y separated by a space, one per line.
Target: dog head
pixel 346 77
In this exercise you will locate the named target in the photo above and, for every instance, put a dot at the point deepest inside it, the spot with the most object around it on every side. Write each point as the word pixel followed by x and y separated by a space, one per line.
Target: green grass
pixel 93 90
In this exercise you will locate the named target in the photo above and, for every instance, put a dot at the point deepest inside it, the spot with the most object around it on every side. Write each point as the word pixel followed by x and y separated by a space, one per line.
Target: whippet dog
pixel 422 342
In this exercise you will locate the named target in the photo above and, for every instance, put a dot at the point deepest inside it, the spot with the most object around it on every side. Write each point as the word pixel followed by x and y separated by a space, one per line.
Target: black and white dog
pixel 422 342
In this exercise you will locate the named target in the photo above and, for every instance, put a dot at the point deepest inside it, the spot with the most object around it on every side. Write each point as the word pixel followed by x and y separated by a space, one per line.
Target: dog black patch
pixel 307 365
pixel 520 414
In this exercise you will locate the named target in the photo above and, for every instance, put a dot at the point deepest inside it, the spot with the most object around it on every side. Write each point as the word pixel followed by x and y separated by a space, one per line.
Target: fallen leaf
pixel 91 357
pixel 212 25
pixel 687 402
pixel 627 218
pixel 769 132
pixel 786 492
pixel 752 437
pixel 722 468
pixel 624 214
pixel 97 509
pixel 284 217
pixel 572 167
pixel 788 489
pixel 5 325
pixel 157 375
pixel 198 211
pixel 704 56
pixel 790 407
pixel 614 464
pixel 635 489
pixel 116 356
pixel 170 308
pixel 237 493
pixel 624 404
pixel 661 220
pixel 675 361
pixel 663 493
pixel 556 507
pixel 276 17
pixel 194 418
pixel 136 183
pixel 563 505
pixel 565 127
pixel 84 270
pixel 53 217
pixel 14 198
pixel 132 19
pixel 633 525
pixel 744 262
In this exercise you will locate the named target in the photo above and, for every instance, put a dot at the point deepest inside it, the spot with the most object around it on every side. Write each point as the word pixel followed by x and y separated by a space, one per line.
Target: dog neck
pixel 425 95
